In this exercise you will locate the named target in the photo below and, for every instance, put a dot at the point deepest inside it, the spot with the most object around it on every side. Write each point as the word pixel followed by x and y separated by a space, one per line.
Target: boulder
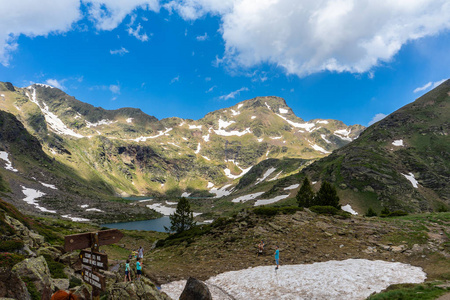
pixel 82 292
pixel 195 290
pixel 50 251
pixel 135 290
pixel 61 283
pixel 35 270
pixel 11 286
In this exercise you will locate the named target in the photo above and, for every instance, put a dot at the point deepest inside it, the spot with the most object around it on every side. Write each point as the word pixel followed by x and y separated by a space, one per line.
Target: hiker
pixel 277 256
pixel 260 248
pixel 138 269
pixel 127 271
pixel 141 253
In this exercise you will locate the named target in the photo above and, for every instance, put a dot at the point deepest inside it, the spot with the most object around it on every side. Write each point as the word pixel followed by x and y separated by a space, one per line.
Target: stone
pixel 195 290
pixel 398 249
pixel 61 283
pixel 276 227
pixel 50 251
pixel 11 286
pixel 135 290
pixel 36 270
pixel 82 292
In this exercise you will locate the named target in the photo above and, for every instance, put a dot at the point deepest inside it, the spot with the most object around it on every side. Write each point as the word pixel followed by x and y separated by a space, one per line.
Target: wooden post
pixel 95 248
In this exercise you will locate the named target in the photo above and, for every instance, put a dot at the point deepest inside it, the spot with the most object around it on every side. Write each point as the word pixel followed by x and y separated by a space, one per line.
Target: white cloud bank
pixel 377 118
pixel 302 37
pixel 429 84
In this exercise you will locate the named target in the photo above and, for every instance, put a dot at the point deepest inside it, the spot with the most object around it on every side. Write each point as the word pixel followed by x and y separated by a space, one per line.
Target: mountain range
pixel 256 152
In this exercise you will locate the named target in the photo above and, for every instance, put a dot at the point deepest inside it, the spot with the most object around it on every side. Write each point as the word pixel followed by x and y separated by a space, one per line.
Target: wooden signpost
pixel 93 260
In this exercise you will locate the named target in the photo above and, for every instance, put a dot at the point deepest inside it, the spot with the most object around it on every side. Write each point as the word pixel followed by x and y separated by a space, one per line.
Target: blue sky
pixel 329 59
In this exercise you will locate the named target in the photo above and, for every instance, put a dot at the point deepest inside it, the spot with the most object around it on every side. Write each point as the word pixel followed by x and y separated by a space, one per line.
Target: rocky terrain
pixel 126 152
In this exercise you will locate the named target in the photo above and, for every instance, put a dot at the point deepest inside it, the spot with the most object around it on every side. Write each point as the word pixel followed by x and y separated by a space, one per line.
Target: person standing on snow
pixel 277 257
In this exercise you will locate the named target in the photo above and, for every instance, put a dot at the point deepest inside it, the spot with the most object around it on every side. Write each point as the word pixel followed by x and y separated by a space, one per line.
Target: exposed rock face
pixel 195 290
pixel 136 290
pixel 36 271
pixel 11 286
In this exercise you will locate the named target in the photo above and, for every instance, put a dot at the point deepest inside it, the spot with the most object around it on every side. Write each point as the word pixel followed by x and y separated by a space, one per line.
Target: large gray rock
pixel 11 286
pixel 195 290
pixel 135 290
pixel 36 271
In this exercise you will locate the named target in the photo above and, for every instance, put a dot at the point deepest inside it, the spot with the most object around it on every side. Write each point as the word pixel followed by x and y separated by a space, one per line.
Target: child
pixel 127 271
pixel 277 256
pixel 138 269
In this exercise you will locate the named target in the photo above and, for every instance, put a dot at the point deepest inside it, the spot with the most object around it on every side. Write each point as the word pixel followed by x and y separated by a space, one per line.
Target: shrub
pixel 371 212
pixel 385 212
pixel 266 211
pixel 11 245
pixel 56 268
pixel 74 281
pixel 8 260
pixel 31 287
pixel 398 213
pixel 324 210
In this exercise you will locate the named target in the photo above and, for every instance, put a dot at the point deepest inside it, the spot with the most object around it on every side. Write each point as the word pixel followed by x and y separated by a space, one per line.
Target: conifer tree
pixel 305 195
pixel 327 196
pixel 183 218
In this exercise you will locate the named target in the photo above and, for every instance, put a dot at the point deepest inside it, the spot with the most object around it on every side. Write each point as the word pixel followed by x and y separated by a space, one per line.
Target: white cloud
pixel 175 79
pixel 211 89
pixel 310 36
pixel 34 18
pixel 55 83
pixel 41 18
pixel 423 87
pixel 429 84
pixel 377 118
pixel 233 94
pixel 122 51
pixel 202 38
pixel 143 37
pixel 114 89
pixel 108 14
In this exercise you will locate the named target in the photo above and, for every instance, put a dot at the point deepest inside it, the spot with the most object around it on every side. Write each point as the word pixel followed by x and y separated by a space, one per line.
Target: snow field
pixel 30 197
pixel 247 197
pixel 411 178
pixel 398 143
pixel 349 209
pixel 270 201
pixel 8 166
pixel 351 279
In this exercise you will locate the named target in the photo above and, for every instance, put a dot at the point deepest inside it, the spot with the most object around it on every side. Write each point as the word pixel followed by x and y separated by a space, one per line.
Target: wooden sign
pixel 84 240
pixel 94 259
pixel 93 278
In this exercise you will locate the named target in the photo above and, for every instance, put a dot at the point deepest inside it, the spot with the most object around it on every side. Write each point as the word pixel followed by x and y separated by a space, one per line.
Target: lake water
pixel 149 225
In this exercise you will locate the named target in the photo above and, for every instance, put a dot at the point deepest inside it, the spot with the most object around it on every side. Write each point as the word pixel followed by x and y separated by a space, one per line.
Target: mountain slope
pixel 134 153
pixel 401 162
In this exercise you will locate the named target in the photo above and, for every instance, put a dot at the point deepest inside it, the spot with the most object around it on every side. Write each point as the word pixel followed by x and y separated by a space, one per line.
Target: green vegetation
pixel 31 287
pixel 8 260
pixel 426 291
pixel 56 268
pixel 305 196
pixel 272 211
pixel 183 218
pixel 11 245
pixel 327 196
pixel 371 213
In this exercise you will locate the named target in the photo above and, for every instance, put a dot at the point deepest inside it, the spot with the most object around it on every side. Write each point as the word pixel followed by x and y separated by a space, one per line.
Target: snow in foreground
pixel 349 279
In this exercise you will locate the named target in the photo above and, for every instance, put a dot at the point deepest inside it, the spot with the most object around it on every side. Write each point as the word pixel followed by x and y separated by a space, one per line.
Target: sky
pixel 351 60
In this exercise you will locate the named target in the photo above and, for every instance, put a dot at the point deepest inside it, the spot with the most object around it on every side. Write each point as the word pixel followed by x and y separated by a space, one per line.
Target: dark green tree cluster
pixel 326 196
pixel 183 218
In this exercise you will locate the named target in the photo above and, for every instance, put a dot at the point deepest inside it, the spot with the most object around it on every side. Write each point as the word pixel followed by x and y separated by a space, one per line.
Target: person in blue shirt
pixel 127 271
pixel 138 269
pixel 277 257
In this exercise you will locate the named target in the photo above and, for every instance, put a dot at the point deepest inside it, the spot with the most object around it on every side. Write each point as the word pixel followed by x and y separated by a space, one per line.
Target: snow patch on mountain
pixel 221 192
pixel 199 147
pixel 267 105
pixel 206 138
pixel 247 197
pixel 185 194
pixel 283 110
pixel 253 117
pixel 343 134
pixel 318 148
pixel 99 123
pixel 240 105
pixel 195 127
pixel 411 178
pixel 145 138
pixel 30 197
pixel 235 113
pixel 292 187
pixel 351 279
pixel 8 166
pixel 398 143
pixel 233 132
pixel 130 120
pixel 266 174
pixel 49 185
pixel 307 126
pixel 324 137
pixel 165 210
pixel 75 219
pixel 349 209
pixel 53 121
pixel 270 201
pixel 276 176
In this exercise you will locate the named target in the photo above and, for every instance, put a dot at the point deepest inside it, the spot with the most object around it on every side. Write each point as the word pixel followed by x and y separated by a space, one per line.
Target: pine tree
pixel 327 196
pixel 183 218
pixel 305 195
pixel 371 213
